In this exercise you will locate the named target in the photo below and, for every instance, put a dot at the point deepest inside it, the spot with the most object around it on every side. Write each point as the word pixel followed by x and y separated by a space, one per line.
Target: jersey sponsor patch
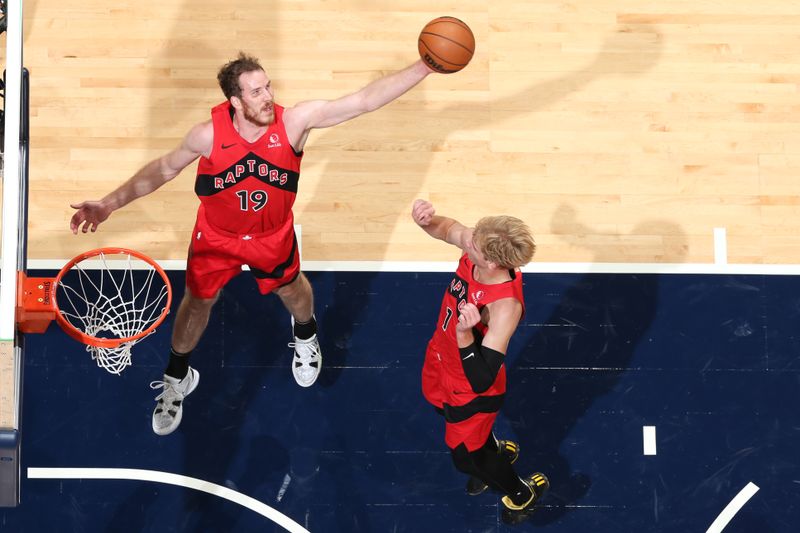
pixel 274 141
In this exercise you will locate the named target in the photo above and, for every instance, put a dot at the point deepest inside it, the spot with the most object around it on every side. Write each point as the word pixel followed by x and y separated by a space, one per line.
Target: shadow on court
pixel 573 357
pixel 624 53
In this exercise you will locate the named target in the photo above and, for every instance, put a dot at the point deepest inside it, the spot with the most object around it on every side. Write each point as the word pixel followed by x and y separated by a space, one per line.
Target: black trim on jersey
pixel 458 289
pixel 511 273
pixel 481 404
pixel 280 270
pixel 286 180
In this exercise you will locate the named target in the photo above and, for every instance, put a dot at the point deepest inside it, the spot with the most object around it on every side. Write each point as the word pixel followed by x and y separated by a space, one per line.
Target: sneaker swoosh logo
pixel 226 146
pixel 471 354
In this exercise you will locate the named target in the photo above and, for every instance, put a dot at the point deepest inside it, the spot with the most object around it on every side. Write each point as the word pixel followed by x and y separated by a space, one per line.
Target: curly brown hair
pixel 228 75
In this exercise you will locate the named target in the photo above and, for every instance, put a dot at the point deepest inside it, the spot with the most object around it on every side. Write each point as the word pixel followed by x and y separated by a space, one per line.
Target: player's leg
pixel 209 267
pixel 476 452
pixel 274 260
pixel 491 467
pixel 179 378
pixel 191 321
pixel 298 298
pixel 509 449
pixel 495 470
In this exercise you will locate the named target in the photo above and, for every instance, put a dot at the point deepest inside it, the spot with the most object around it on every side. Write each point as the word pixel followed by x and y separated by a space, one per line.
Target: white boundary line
pixel 170 479
pixel 720 246
pixel 649 440
pixel 450 266
pixel 732 508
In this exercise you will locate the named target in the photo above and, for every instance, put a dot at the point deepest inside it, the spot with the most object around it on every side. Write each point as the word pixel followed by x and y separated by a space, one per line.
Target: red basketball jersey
pixel 248 187
pixel 462 289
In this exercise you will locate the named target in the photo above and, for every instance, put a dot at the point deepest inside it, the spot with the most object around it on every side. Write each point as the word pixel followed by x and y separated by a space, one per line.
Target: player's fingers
pixel 75 222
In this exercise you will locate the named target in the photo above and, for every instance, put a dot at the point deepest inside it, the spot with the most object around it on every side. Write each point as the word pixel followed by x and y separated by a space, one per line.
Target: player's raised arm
pixel 91 213
pixel 305 116
pixel 445 229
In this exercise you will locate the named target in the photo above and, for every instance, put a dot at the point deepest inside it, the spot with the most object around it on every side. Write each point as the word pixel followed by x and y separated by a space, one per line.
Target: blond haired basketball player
pixel 463 375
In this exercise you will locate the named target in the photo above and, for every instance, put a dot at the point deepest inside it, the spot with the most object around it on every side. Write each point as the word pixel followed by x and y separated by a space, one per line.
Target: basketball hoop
pixel 125 299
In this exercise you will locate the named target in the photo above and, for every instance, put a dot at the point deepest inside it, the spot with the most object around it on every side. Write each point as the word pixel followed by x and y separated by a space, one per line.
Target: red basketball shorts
pixel 473 431
pixel 216 256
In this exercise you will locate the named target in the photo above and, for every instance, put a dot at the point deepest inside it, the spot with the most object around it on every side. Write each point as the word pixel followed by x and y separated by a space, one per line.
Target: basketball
pixel 446 44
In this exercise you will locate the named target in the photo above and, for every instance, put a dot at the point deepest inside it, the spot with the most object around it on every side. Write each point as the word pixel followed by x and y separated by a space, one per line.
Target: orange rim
pixel 79 335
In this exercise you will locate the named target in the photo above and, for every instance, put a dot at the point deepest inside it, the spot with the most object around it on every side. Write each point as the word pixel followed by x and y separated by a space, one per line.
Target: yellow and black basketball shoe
pixel 514 514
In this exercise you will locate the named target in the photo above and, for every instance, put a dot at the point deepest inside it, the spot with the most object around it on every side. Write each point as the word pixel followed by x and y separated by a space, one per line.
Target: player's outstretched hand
pixel 468 317
pixel 89 215
pixel 422 212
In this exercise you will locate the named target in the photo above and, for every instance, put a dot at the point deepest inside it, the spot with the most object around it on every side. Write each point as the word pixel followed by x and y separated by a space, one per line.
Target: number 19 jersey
pixel 244 187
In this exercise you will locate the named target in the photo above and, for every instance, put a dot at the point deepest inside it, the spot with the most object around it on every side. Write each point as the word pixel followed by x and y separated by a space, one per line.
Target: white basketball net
pixel 117 300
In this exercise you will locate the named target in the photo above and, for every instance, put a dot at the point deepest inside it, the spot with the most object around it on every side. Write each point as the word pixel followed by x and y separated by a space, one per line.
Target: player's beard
pixel 255 116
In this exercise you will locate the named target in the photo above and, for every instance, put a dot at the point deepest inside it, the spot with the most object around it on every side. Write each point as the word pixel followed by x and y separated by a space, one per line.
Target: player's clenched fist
pixel 422 212
pixel 468 317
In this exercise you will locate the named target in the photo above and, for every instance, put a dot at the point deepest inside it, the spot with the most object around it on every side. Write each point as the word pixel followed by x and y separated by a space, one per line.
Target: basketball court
pixel 653 376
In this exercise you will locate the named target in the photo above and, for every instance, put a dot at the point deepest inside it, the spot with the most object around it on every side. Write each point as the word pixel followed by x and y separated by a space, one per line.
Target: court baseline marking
pixel 450 266
pixel 170 479
pixel 732 508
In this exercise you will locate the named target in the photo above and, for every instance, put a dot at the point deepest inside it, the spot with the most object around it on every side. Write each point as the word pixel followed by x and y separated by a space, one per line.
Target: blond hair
pixel 504 240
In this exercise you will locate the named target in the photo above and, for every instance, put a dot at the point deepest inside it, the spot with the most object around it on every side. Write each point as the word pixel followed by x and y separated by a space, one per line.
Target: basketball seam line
pixel 449 20
pixel 443 60
pixel 446 39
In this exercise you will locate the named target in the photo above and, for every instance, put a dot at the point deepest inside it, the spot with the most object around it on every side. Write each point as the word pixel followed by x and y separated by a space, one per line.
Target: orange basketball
pixel 446 44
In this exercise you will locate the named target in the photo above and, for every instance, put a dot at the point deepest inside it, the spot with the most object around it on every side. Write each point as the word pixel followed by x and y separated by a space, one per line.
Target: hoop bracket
pixel 109 314
pixel 35 303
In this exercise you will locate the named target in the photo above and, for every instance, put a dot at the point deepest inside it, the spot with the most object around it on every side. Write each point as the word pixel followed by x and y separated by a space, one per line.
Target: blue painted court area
pixel 710 361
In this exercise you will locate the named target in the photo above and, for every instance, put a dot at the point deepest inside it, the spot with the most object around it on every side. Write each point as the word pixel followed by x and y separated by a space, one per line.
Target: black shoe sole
pixel 513 518
pixel 476 491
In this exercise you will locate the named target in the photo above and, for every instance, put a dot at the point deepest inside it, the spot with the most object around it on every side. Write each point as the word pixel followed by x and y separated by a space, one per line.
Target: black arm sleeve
pixel 481 366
